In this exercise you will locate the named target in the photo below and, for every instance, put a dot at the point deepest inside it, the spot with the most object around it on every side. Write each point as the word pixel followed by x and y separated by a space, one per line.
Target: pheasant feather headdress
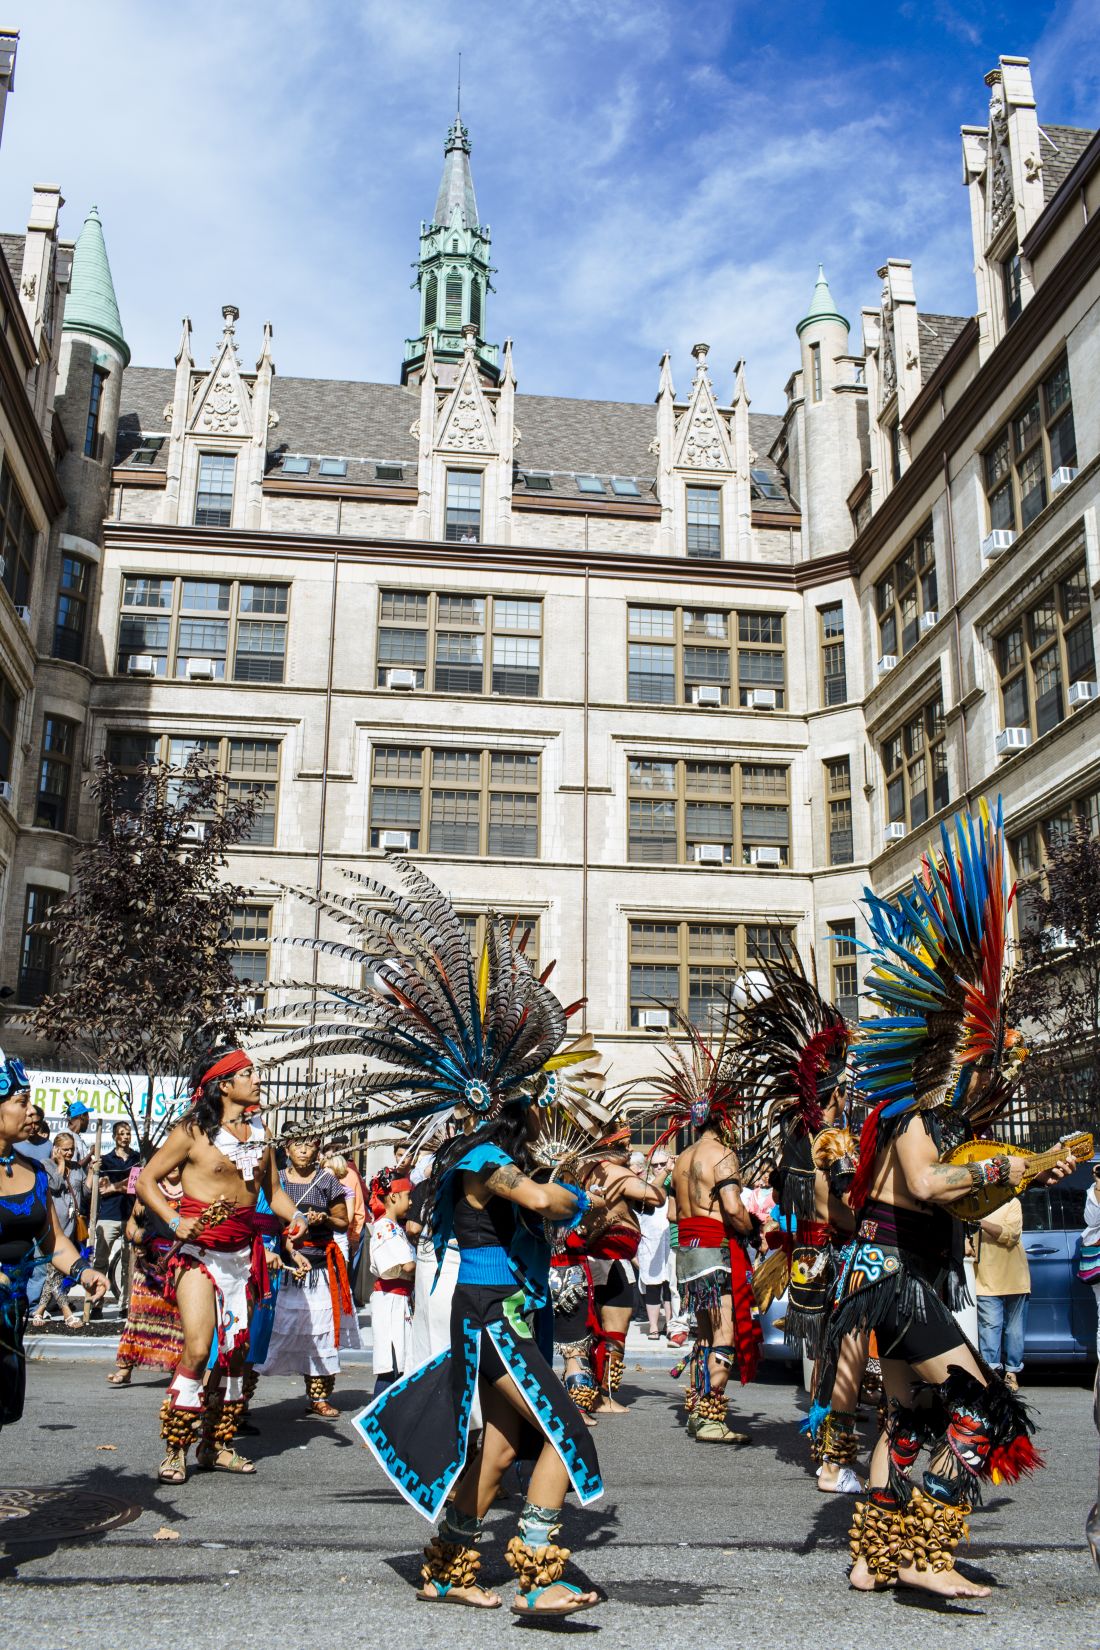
pixel 938 975
pixel 791 1051
pixel 695 1084
pixel 443 1029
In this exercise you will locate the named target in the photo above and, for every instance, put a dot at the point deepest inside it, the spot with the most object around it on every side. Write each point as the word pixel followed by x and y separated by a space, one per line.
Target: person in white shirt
pixel 393 1262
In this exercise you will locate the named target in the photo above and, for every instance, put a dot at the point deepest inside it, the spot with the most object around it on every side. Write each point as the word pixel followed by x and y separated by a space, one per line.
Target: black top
pixel 24 1217
pixel 116 1166
pixel 480 1228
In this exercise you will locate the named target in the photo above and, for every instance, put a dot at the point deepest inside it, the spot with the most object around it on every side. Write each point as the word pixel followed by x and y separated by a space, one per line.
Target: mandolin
pixel 984 1199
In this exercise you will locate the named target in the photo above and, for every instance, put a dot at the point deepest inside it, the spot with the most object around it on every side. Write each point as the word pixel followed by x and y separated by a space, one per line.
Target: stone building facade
pixel 669 681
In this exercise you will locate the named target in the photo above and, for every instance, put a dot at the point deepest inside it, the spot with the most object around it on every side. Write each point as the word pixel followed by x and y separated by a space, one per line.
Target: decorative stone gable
pixel 1002 197
pixel 223 405
pixel 703 437
pixel 466 423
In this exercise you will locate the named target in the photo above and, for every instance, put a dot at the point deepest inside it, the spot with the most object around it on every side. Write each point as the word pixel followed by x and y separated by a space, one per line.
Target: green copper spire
pixel 91 305
pixel 822 307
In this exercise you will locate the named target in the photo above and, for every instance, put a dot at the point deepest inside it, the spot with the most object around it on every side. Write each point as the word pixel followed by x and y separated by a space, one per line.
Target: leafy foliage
pixel 1055 993
pixel 141 945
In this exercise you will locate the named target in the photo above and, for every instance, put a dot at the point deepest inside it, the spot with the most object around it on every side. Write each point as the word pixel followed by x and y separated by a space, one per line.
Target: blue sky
pixel 654 172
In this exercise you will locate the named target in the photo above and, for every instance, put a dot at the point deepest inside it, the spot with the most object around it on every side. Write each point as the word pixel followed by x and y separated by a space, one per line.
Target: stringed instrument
pixel 983 1200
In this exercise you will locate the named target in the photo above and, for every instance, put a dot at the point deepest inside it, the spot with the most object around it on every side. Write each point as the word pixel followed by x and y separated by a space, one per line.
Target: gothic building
pixel 670 681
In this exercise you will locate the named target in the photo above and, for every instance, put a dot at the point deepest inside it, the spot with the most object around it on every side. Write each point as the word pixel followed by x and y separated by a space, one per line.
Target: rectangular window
pixel 18 540
pixel 590 484
pixel 333 467
pixel 71 618
pixel 690 966
pixel 55 773
pixel 1045 649
pixel 710 813
pixel 834 673
pixel 914 761
pixel 815 371
pixel 447 640
pixel 694 656
pixel 907 595
pixel 894 435
pixel 214 495
pixel 250 765
pixel 91 428
pixel 191 628
pixel 704 523
pixel 838 800
pixel 463 525
pixel 843 974
pixel 9 718
pixel 36 953
pixel 625 487
pixel 250 939
pixel 1012 287
pixel 1036 441
pixel 459 801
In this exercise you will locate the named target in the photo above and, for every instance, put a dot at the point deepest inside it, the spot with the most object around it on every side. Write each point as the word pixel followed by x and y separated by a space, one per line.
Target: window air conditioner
pixel 887 662
pixel 141 664
pixel 1056 939
pixel 1062 478
pixel 390 840
pixel 706 696
pixel 1012 739
pixel 895 832
pixel 762 699
pixel 929 620
pixel 25 614
pixel 765 856
pixel 401 681
pixel 996 543
pixel 200 670
pixel 1082 693
pixel 708 853
pixel 5 791
pixel 653 1019
pixel 195 831
pixel 253 1002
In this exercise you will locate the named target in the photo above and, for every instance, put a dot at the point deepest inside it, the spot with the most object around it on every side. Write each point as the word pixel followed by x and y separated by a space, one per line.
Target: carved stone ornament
pixel 169 409
pixel 1033 168
pixel 517 437
pixel 889 365
pixel 911 358
pixel 222 409
pixel 272 419
pixel 1001 196
pixel 703 448
pixel 654 446
pixel 414 429
pixel 30 286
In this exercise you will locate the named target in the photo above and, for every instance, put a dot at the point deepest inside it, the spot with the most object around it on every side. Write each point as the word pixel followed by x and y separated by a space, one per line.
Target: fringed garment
pixel 153 1334
pixel 711 1265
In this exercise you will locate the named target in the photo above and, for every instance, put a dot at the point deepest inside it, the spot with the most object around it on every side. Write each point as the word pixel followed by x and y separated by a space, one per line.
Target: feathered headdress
pixel 451 1031
pixel 938 975
pixel 791 1051
pixel 695 1086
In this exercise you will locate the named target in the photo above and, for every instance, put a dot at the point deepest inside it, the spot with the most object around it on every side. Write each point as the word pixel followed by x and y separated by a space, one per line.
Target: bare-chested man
pixel 613 1238
pixel 224 1159
pixel 714 1274
pixel 896 1279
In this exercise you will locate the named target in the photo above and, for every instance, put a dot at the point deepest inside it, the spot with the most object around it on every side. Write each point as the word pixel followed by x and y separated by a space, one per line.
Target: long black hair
pixel 508 1130
pixel 205 1113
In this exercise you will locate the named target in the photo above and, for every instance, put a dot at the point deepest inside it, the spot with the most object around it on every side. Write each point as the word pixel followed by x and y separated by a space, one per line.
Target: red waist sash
pixel 236 1231
pixel 392 1286
pixel 702 1232
pixel 617 1243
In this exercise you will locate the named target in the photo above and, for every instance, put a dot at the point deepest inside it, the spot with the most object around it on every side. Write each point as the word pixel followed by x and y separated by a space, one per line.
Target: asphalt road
pixel 695 1547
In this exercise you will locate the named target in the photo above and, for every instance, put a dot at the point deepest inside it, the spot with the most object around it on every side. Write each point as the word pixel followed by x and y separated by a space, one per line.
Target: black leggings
pixel 655 1293
pixel 617 1291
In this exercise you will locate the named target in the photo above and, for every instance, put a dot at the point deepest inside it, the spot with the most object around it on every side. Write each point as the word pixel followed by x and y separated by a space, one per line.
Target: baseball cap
pixel 77 1108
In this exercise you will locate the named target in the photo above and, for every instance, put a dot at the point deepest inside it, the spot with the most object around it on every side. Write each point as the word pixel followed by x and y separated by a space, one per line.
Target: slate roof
pixel 936 333
pixel 1060 148
pixel 369 424
pixel 12 248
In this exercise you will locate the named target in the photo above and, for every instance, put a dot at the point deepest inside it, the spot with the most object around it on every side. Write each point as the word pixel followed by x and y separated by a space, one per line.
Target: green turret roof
pixel 822 307
pixel 91 305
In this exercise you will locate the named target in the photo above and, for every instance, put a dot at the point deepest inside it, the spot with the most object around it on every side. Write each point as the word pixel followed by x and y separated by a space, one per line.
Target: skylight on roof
pixel 625 486
pixel 590 484
pixel 389 472
pixel 294 465
pixel 333 467
pixel 147 452
pixel 540 483
pixel 764 484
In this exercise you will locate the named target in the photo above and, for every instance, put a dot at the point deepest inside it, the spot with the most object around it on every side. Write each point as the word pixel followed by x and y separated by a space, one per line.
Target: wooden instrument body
pixel 983 1200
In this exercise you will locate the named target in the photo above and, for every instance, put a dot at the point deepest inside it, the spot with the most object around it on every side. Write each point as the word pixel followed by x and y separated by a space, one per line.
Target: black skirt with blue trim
pixel 418 1428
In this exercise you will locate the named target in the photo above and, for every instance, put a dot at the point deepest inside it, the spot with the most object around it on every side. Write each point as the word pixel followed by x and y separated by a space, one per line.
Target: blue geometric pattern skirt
pixel 418 1429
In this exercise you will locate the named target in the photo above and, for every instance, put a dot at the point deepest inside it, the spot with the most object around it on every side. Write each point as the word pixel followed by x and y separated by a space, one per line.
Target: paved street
pixel 697 1547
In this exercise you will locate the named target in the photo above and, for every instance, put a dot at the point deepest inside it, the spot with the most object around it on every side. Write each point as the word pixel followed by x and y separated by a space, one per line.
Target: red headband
pixel 236 1060
pixel 381 1187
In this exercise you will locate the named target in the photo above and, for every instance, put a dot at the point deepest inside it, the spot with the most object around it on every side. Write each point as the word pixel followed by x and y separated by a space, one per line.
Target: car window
pixel 1036 1207
pixel 1067 1208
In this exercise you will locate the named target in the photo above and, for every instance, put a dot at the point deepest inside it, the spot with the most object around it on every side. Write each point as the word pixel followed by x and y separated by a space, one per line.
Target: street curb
pixel 104 1350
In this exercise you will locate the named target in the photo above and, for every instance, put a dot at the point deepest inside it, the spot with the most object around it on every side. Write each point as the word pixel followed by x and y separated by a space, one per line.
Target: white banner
pixel 108 1097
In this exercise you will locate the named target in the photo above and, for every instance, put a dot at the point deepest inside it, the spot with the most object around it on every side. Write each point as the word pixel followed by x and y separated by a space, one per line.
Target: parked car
pixel 1061 1320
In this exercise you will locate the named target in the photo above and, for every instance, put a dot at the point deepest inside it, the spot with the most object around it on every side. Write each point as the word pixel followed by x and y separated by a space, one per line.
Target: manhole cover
pixel 60 1515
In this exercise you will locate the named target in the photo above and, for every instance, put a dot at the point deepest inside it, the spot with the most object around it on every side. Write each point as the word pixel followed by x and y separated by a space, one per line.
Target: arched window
pixel 453 316
pixel 475 304
pixel 431 300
